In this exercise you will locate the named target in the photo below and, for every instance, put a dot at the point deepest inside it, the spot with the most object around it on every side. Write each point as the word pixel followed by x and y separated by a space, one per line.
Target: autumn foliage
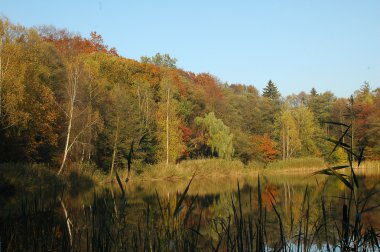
pixel 264 148
pixel 62 94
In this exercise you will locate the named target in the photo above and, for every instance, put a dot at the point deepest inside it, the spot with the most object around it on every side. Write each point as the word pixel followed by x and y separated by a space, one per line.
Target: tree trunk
pixel 167 126
pixel 73 92
pixel 283 142
pixel 287 143
pixel 147 110
pixel 114 152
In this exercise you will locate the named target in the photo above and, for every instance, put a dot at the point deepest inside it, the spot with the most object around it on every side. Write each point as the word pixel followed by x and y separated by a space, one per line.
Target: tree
pixel 362 107
pixel 270 107
pixel 76 105
pixel 218 136
pixel 212 95
pixel 321 105
pixel 270 91
pixel 297 131
pixel 287 133
pixel 313 92
pixel 12 73
pixel 373 132
pixel 168 123
pixel 308 131
pixel 121 121
pixel 28 115
pixel 264 148
pixel 160 60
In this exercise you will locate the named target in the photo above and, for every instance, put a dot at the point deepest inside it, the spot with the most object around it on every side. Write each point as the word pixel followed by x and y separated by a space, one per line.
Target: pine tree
pixel 313 92
pixel 271 91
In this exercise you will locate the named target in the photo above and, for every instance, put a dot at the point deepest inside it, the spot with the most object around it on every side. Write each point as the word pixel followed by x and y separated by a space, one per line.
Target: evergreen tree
pixel 271 91
pixel 270 107
pixel 313 92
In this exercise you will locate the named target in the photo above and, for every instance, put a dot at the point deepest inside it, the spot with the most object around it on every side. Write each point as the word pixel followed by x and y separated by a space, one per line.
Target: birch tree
pixel 288 134
pixel 76 109
pixel 169 135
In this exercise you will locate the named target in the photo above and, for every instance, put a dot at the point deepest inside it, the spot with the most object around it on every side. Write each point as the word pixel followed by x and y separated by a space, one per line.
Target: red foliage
pixel 362 112
pixel 177 80
pixel 269 195
pixel 210 86
pixel 265 147
pixel 69 43
pixel 186 132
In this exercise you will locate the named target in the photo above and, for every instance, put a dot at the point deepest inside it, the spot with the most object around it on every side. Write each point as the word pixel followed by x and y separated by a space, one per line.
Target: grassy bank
pixel 219 168
pixel 297 165
pixel 216 168
pixel 210 168
pixel 30 177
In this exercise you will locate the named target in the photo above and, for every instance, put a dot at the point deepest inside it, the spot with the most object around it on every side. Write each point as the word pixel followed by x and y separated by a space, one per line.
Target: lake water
pixel 290 212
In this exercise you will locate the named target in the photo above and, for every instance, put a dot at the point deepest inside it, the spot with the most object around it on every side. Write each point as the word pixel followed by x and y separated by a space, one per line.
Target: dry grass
pixel 297 165
pixel 204 168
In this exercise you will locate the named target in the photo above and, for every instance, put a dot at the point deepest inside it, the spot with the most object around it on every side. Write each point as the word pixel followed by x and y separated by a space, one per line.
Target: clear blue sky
pixel 327 44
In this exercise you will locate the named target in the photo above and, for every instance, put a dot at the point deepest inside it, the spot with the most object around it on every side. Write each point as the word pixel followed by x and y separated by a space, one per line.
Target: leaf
pixel 361 155
pixel 354 177
pixel 326 171
pixel 340 140
pixel 189 210
pixel 130 156
pixel 341 178
pixel 336 123
pixel 337 142
pixel 143 138
pixel 178 206
pixel 370 208
pixel 119 182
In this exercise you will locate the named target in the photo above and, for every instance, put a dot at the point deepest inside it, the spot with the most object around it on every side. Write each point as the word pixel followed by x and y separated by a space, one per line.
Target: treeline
pixel 67 99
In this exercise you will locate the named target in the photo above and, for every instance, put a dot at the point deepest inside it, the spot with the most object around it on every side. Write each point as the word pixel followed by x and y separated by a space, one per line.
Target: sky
pixel 332 45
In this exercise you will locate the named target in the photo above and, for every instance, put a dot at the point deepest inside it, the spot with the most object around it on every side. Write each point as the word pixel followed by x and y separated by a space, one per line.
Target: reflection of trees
pixel 107 218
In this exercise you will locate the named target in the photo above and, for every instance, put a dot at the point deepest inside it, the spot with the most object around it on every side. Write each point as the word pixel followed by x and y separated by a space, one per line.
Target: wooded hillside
pixel 65 98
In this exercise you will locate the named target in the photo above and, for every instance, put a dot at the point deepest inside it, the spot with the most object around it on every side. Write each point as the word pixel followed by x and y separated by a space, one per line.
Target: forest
pixel 67 99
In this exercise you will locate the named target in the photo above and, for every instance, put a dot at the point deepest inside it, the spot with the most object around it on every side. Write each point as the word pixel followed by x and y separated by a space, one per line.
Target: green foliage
pixel 218 137
pixel 160 60
pixel 270 91
pixel 297 132
pixel 168 133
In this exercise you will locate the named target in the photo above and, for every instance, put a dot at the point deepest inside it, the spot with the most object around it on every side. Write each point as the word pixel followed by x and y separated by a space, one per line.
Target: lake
pixel 281 212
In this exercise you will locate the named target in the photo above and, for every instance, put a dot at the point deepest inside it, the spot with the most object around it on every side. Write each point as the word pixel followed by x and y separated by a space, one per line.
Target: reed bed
pixel 209 168
pixel 254 221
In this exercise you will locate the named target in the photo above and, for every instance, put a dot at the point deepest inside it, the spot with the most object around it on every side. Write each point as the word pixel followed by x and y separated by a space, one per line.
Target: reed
pixel 204 168
pixel 296 165
pixel 175 222
pixel 353 236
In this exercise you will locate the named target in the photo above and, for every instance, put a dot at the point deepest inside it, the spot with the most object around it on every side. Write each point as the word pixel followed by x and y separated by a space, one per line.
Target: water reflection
pixel 303 209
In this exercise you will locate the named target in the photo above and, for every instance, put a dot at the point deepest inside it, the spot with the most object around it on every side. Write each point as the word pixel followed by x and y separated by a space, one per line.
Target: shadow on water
pixel 277 214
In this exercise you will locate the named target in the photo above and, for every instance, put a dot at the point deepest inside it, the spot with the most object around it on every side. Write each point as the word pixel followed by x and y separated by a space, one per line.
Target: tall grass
pixel 305 164
pixel 353 234
pixel 210 168
pixel 175 222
